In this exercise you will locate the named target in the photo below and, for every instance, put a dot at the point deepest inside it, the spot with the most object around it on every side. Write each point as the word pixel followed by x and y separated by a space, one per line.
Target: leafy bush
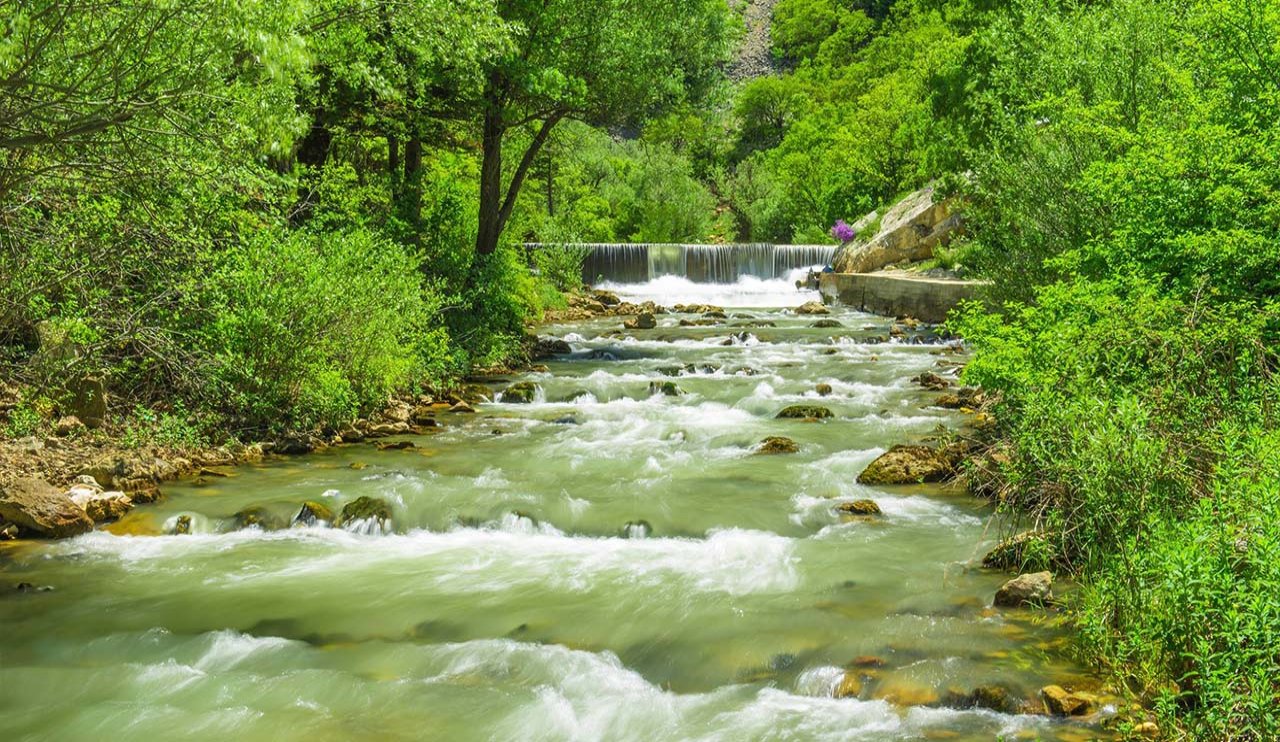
pixel 561 264
pixel 307 330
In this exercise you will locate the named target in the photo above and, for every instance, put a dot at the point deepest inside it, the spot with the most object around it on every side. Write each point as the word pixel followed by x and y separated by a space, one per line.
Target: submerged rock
pixel 775 444
pixel 396 446
pixel 36 506
pixel 366 509
pixel 522 392
pixel 665 388
pixel 908 465
pixel 645 321
pixel 850 686
pixel 313 513
pixel 182 526
pixel 1026 590
pixel 636 529
pixel 805 412
pixel 826 324
pixel 256 517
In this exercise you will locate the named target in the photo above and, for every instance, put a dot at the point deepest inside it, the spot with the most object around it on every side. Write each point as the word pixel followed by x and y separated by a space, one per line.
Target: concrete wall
pixel 892 295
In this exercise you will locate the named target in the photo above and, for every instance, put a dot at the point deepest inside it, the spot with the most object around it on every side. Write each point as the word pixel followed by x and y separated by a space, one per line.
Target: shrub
pixel 307 330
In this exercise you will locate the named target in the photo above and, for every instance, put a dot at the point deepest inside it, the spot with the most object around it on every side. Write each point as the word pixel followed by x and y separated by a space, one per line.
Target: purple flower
pixel 842 231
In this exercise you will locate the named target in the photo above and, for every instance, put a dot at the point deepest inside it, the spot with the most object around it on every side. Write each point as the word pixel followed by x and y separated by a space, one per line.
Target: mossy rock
pixel 1028 550
pixel 824 390
pixel 256 517
pixel 313 513
pixel 859 508
pixel 365 508
pixel 523 392
pixel 775 444
pixel 805 412
pixel 826 324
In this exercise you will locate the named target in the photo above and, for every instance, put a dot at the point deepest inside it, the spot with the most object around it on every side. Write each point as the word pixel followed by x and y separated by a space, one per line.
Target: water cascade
pixel 638 263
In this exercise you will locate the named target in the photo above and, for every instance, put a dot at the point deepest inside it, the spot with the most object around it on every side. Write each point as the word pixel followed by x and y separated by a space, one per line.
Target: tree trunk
pixel 490 228
pixel 412 180
pixel 313 150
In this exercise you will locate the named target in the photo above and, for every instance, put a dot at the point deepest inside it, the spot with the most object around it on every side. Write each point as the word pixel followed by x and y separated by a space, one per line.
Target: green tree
pixel 604 62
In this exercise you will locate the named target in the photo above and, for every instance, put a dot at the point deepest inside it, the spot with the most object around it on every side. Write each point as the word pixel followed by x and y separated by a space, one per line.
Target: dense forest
pixel 255 217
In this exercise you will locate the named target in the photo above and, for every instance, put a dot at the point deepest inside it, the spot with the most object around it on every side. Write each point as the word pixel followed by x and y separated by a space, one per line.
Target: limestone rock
pixel 812 308
pixel 776 445
pixel 34 505
pixel 805 412
pixel 549 347
pixel 462 407
pixel 1026 590
pixel 931 381
pixel 1059 702
pixel 826 324
pixel 850 686
pixel 98 505
pixel 908 465
pixel 89 402
pixel 824 390
pixel 908 232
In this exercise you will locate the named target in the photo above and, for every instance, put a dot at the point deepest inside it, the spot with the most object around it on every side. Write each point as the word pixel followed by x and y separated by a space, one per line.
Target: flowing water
pixel 601 564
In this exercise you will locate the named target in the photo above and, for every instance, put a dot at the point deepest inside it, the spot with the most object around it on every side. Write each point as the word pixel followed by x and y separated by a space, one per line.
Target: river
pixel 602 564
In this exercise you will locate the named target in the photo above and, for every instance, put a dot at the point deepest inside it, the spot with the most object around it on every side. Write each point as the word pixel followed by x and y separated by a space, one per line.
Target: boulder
pixel 36 506
pixel 909 232
pixel 805 412
pixel 826 324
pixel 520 393
pixel 313 513
pixel 294 445
pixel 1026 590
pixel 644 321
pixel 812 308
pixel 908 465
pixel 1060 702
pixel 776 445
pixel 366 509
pixel 396 446
pixel 636 529
pixel 182 526
pixel 382 430
pixel 462 407
pixel 859 508
pixel 824 390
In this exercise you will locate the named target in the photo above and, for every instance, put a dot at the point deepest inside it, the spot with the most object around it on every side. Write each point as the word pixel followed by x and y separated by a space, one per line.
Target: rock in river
pixel 859 507
pixel 811 308
pixel 34 505
pixel 1026 590
pixel 665 388
pixel 1059 702
pixel 805 412
pixel 313 513
pixel 644 321
pixel 775 444
pixel 520 393
pixel 366 509
pixel 908 465
pixel 256 517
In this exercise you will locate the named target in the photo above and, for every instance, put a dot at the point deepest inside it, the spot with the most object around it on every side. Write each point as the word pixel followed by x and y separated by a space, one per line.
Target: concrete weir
pixel 898 295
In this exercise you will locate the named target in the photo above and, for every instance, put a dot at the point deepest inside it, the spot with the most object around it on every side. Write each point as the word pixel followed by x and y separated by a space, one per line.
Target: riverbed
pixel 605 563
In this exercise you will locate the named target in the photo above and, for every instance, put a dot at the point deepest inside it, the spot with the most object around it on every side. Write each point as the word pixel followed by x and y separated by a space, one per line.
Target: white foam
pixel 747 292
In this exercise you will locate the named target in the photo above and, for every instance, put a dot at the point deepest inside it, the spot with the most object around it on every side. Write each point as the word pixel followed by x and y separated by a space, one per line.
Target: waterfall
pixel 638 263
